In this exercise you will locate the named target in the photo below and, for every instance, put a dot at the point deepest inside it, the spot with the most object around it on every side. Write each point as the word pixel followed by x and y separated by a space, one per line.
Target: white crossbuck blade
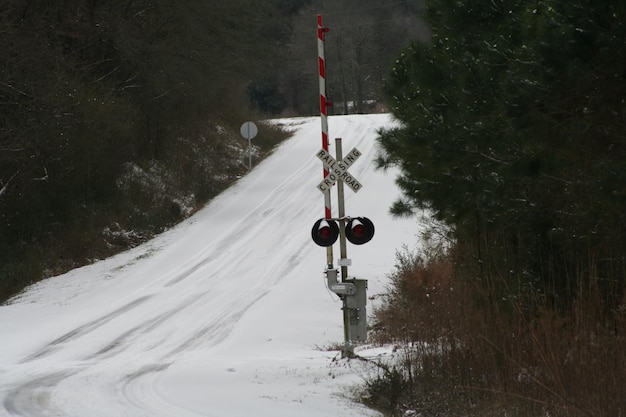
pixel 338 170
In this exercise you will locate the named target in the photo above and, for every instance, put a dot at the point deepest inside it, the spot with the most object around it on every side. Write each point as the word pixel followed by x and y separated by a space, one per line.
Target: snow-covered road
pixel 225 315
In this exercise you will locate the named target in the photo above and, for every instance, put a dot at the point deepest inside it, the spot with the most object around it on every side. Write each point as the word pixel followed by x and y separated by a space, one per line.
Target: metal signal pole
pixel 348 349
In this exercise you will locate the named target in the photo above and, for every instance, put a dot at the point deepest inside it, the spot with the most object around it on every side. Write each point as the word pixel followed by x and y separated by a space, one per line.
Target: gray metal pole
pixel 249 154
pixel 341 206
pixel 348 349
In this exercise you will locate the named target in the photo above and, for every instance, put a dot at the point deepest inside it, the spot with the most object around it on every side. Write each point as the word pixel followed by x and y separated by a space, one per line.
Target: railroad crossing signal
pixel 359 230
pixel 338 170
pixel 325 232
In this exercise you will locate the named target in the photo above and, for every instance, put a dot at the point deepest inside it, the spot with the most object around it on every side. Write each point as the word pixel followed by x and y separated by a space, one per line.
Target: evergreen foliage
pixel 514 133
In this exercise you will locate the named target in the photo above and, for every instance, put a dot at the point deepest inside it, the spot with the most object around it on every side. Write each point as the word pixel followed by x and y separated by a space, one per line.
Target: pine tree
pixel 513 132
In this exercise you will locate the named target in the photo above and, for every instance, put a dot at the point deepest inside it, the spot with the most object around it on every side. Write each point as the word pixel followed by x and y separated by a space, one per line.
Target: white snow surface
pixel 224 315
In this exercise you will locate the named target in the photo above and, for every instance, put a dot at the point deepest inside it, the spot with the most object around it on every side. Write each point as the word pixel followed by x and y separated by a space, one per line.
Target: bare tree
pixel 364 39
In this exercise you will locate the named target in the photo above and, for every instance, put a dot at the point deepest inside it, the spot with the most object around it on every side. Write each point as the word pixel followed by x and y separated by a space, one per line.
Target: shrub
pixel 465 352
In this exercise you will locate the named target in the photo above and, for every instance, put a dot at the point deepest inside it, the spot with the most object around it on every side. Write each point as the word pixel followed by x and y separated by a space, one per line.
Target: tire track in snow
pixel 243 226
pixel 133 334
pixel 33 398
pixel 85 329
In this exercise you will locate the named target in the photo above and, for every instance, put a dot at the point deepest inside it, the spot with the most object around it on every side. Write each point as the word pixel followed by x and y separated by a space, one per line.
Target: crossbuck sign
pixel 338 170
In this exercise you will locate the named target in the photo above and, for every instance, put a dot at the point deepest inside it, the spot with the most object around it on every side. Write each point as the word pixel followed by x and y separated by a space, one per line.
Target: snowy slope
pixel 224 315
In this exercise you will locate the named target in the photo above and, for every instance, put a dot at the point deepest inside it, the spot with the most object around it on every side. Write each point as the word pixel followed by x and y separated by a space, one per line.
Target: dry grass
pixel 466 352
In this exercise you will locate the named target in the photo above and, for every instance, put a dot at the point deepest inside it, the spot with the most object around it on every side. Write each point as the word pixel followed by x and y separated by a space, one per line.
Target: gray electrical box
pixel 356 305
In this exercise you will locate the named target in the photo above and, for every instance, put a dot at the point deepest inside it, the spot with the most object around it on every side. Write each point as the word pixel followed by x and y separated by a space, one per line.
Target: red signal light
pixel 325 232
pixel 359 230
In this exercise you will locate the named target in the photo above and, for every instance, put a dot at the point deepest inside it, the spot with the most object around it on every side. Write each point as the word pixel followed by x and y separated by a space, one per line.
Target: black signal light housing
pixel 359 230
pixel 325 232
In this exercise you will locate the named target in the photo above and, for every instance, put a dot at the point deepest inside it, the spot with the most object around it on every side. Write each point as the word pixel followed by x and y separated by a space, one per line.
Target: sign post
pixel 348 349
pixel 249 130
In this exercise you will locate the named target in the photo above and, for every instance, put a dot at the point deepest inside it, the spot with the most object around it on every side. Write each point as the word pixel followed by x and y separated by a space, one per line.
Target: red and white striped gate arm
pixel 321 31
pixel 323 104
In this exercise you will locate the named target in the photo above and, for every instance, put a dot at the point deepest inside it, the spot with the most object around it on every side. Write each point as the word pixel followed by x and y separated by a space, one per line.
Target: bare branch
pixel 10 87
pixel 45 177
pixel 6 186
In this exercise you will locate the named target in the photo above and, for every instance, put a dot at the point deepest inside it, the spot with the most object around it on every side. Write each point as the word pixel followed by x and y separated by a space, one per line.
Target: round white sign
pixel 249 130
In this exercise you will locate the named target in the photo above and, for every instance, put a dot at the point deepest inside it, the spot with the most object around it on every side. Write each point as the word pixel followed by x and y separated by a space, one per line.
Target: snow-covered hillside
pixel 225 315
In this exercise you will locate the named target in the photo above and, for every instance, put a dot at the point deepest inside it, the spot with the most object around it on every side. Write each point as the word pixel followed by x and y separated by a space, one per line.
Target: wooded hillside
pixel 120 118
